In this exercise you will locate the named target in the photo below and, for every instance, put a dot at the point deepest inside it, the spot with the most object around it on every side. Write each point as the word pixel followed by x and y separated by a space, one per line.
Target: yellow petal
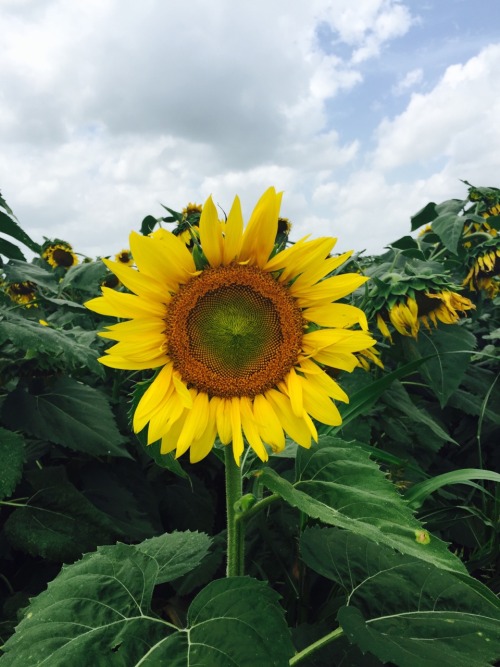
pixel 295 426
pixel 301 255
pixel 203 445
pixel 344 362
pixel 237 437
pixel 294 389
pixel 211 233
pixel 320 269
pixel 182 390
pixel 168 261
pixel 233 233
pixel 327 290
pixel 138 282
pixel 322 381
pixel 128 365
pixel 170 438
pixel 250 428
pixel 336 315
pixel 120 304
pixel 319 406
pixel 269 425
pixel 152 397
pixel 260 233
pixel 134 330
pixel 223 416
pixel 195 423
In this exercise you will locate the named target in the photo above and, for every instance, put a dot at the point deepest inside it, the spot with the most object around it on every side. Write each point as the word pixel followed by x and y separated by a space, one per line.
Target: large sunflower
pixel 240 339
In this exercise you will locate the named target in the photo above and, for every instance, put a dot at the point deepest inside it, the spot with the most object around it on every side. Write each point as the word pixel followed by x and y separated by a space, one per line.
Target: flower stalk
pixel 235 528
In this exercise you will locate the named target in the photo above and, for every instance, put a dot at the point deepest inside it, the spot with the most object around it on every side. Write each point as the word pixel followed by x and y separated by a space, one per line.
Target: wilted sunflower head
pixel 59 254
pixel 240 334
pixel 484 269
pixel 23 293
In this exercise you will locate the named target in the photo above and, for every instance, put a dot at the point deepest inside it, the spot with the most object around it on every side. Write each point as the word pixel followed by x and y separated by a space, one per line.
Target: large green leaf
pixel 339 484
pixel 398 398
pixel 59 523
pixel 68 348
pixel 9 226
pixel 10 250
pixel 449 228
pixel 97 613
pixel 12 459
pixel 447 352
pixel 68 413
pixel 404 610
pixel 17 272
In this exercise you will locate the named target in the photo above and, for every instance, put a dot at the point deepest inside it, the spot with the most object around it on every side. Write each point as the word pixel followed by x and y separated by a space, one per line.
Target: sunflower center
pixel 233 331
pixel 62 257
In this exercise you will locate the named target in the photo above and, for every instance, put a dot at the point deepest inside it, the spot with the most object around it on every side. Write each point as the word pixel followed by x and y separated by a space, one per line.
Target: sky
pixel 361 112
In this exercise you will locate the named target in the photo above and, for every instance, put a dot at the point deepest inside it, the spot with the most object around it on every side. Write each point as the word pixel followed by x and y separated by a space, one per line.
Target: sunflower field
pixel 224 446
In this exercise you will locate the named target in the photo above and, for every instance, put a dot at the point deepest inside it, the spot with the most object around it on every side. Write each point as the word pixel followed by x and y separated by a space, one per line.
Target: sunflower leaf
pixel 447 352
pixel 402 609
pixel 9 226
pixel 12 457
pixel 67 413
pixel 70 349
pixel 339 484
pixel 98 612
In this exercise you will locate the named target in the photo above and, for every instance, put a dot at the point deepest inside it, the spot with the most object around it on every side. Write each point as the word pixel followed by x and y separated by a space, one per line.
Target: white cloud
pixel 410 80
pixel 460 113
pixel 107 112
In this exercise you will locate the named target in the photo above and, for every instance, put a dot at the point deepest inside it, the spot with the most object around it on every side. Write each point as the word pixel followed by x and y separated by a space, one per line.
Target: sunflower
pixel 239 334
pixel 427 308
pixel 484 272
pixel 23 293
pixel 59 254
pixel 124 257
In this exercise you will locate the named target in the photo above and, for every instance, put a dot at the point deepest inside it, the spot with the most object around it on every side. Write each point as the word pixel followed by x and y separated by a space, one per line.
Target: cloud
pixel 410 80
pixel 456 120
pixel 106 113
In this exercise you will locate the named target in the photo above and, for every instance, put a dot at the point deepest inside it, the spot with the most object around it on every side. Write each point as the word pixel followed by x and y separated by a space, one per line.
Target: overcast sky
pixel 361 111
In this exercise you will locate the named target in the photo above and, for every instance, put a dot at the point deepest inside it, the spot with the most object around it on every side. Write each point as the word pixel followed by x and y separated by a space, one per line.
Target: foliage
pixel 379 545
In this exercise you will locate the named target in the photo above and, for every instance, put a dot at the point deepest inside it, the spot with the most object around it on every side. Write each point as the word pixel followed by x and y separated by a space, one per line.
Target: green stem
pixel 258 507
pixel 301 655
pixel 235 535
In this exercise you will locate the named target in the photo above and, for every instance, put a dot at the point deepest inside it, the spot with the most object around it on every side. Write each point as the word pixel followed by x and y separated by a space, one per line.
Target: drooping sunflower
pixel 484 271
pixel 59 255
pixel 240 335
pixel 407 314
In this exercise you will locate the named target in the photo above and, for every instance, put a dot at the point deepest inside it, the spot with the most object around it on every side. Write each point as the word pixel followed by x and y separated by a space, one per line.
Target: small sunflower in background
pixel 59 254
pixel 23 293
pixel 239 331
pixel 124 257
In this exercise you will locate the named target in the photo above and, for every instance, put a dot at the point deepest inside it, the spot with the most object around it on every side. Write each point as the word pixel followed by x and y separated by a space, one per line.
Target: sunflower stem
pixel 235 528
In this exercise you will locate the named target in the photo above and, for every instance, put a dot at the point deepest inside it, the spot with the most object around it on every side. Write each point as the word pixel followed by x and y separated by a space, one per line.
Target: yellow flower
pixel 60 255
pixel 124 257
pixel 23 293
pixel 241 344
pixel 192 209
